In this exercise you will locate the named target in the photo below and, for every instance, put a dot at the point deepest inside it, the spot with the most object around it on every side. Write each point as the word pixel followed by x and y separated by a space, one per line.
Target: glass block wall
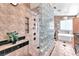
pixel 46 27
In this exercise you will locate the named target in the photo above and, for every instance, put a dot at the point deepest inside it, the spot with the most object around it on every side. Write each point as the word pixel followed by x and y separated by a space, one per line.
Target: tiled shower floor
pixel 63 49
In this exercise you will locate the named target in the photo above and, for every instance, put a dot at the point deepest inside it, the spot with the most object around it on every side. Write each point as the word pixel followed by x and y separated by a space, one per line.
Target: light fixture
pixel 65 18
pixel 14 4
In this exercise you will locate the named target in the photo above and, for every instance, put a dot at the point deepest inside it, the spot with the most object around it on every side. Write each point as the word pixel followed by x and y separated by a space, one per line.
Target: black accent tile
pixel 34 19
pixel 38 47
pixel 34 33
pixel 7 42
pixel 11 49
pixel 34 38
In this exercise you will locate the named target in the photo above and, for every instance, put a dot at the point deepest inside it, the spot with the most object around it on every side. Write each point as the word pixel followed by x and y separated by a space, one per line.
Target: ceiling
pixel 61 9
pixel 65 9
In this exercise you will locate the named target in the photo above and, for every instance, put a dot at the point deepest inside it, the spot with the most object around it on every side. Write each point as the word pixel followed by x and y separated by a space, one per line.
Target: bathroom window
pixel 66 25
